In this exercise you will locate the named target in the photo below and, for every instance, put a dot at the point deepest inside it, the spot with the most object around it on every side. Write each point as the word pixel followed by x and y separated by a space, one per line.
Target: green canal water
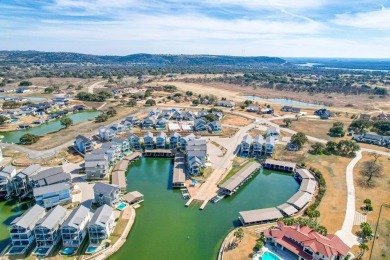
pixel 165 229
pixel 52 126
pixel 9 210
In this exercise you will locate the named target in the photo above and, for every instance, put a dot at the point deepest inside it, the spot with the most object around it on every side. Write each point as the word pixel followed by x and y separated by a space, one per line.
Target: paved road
pixel 209 188
pixel 90 88
pixel 345 233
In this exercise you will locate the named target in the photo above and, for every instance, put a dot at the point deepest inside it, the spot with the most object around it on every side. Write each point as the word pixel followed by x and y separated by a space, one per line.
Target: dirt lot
pixel 316 127
pixel 233 92
pixel 236 120
pixel 362 193
pixel 245 248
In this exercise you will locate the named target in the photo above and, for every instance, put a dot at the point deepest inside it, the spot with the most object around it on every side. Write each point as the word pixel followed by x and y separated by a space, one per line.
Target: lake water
pixel 52 126
pixel 164 228
pixel 283 101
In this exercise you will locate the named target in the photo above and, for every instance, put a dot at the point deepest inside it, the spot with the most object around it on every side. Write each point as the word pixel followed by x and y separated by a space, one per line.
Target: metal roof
pixel 258 215
pixel 287 209
pixel 300 199
pixel 103 188
pixel 53 218
pixel 281 163
pixel 305 174
pixel 308 185
pixel 101 216
pixel 46 173
pixel 178 169
pixel 77 216
pixel 30 170
pixel 132 196
pixel 50 188
pixel 95 157
pixel 247 139
pixel 234 181
pixel 30 217
pixel 119 179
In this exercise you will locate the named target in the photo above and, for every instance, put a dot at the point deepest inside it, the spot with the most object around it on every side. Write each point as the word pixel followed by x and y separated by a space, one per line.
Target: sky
pixel 281 28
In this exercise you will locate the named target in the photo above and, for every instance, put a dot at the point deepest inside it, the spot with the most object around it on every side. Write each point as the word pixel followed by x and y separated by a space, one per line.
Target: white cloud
pixel 377 20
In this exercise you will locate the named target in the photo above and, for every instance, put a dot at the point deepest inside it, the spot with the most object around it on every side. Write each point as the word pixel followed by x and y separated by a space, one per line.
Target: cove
pixel 52 126
pixel 283 101
pixel 165 229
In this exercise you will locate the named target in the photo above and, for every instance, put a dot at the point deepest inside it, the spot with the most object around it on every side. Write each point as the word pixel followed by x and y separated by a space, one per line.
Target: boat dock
pixel 230 186
pixel 189 202
pixel 204 204
pixel 133 156
pixel 159 153
pixel 179 177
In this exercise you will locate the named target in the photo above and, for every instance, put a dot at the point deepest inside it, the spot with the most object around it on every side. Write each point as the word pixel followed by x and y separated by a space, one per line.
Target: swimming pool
pixel 91 249
pixel 121 206
pixel 68 251
pixel 14 120
pixel 269 256
pixel 41 251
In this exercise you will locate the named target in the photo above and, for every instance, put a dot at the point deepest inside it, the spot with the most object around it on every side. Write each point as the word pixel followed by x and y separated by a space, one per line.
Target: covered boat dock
pixel 237 180
pixel 300 199
pixel 259 216
pixel 280 165
pixel 179 177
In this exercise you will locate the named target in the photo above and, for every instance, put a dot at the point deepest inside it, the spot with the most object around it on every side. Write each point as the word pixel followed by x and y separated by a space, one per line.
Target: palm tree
pixel 316 214
pixel 239 234
pixel 363 247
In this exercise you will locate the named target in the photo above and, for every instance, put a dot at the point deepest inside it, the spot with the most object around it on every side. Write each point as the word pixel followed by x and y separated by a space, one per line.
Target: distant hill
pixel 10 57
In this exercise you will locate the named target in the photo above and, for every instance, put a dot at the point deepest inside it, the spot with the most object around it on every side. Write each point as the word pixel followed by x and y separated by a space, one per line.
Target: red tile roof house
pixel 306 243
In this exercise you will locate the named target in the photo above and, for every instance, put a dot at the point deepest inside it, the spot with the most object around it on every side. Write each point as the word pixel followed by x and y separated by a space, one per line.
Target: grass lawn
pixel 119 229
pixel 236 168
pixel 378 195
pixel 381 249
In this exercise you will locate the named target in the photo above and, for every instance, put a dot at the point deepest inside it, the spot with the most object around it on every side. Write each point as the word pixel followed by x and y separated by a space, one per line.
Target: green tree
pixel 347 147
pixel 195 102
pixel 360 126
pixel 101 118
pixel 259 245
pixel 318 148
pixel 239 234
pixel 10 104
pixel 322 230
pixel 111 112
pixel 313 214
pixel 366 231
pixel 287 122
pixel 337 130
pixel 248 102
pixel 189 93
pixel 211 118
pixel 299 139
pixel 363 247
pixel 29 139
pixel 66 121
pixel 49 90
pixel 331 147
pixel 150 102
pixel 132 102
pixel 25 83
pixel 3 119
pixel 368 206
